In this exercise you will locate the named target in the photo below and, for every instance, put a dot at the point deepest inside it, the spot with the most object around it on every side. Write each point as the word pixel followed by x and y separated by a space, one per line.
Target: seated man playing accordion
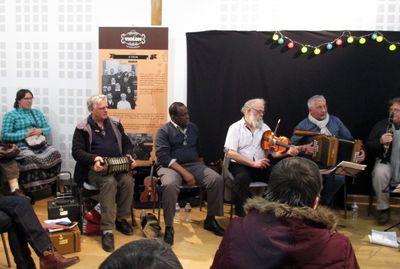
pixel 96 137
pixel 319 120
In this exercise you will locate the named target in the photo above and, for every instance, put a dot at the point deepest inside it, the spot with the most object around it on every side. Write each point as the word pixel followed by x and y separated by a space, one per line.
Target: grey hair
pixel 94 100
pixel 311 101
pixel 250 104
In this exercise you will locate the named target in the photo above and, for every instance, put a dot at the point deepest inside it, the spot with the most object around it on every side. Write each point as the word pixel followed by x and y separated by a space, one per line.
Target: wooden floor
pixel 195 247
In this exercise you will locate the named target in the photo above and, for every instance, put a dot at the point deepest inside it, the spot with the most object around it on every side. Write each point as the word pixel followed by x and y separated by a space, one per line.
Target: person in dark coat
pixel 384 143
pixel 96 137
pixel 287 229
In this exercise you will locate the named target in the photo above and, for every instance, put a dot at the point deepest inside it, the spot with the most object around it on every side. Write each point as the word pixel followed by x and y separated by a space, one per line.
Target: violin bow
pixel 276 126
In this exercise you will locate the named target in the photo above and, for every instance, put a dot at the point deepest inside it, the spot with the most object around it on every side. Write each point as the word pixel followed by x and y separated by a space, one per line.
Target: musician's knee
pixel 381 172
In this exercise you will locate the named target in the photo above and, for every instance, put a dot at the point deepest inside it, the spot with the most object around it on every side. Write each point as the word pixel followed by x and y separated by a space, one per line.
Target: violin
pixel 150 193
pixel 270 141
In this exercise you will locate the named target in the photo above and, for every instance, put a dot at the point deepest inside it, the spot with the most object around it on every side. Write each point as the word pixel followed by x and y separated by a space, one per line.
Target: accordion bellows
pixel 116 165
pixel 330 150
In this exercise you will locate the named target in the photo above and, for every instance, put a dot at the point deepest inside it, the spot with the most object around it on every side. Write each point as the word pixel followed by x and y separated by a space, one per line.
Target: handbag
pixel 8 151
pixel 35 141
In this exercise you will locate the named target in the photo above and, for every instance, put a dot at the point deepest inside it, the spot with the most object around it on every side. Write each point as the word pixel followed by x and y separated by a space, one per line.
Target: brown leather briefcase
pixel 66 242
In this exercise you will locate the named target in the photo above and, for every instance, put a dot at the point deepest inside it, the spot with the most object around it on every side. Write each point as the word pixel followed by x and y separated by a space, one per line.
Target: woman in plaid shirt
pixel 38 167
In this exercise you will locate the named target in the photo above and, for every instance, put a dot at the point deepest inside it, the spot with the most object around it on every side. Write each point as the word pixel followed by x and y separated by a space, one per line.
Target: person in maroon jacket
pixel 287 229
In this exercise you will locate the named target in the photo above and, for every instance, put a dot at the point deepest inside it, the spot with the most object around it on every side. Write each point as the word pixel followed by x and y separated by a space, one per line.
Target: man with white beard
pixel 249 161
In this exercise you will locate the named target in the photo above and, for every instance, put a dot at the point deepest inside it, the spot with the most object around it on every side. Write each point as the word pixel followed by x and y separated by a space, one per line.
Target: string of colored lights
pixel 282 39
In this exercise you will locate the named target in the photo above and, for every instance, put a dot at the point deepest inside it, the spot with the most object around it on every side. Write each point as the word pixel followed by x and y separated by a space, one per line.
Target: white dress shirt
pixel 240 139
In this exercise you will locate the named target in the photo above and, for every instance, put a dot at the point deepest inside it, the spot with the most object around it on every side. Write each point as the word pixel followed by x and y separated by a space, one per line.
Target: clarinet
pixel 386 147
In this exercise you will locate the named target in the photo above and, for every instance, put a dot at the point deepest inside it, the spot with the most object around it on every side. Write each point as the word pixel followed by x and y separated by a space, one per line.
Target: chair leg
pixel 133 217
pixel 201 198
pixel 231 211
pixel 345 199
pixel 6 250
pixel 394 225
pixel 159 205
pixel 370 202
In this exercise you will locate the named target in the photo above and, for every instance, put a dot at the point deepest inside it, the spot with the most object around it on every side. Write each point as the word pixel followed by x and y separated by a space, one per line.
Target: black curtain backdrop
pixel 226 68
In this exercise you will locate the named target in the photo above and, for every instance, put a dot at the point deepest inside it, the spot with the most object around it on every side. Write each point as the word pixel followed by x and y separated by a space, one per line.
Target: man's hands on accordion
pixel 99 163
pixel 133 163
pixel 308 149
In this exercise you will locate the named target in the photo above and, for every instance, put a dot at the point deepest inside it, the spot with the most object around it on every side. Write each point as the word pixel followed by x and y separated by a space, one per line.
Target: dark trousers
pixel 204 176
pixel 242 177
pixel 332 184
pixel 25 228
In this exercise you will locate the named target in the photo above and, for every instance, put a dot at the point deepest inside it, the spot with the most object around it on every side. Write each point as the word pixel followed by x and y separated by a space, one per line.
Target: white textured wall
pixel 50 46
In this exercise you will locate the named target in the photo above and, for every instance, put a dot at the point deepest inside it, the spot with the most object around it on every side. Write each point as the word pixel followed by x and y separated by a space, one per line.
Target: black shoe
pixel 210 224
pixel 169 235
pixel 124 227
pixel 107 242
pixel 383 216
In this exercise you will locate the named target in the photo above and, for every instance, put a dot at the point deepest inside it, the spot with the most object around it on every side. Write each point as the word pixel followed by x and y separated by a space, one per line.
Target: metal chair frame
pixel 228 179
pixel 181 189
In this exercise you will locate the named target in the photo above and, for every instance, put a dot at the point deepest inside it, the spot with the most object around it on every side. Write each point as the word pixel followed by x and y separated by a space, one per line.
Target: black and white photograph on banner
pixel 142 145
pixel 119 83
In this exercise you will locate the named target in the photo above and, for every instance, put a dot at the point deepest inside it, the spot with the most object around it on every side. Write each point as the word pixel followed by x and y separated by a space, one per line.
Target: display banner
pixel 133 73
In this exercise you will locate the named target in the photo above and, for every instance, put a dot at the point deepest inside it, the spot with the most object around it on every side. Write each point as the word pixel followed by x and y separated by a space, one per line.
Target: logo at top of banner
pixel 133 39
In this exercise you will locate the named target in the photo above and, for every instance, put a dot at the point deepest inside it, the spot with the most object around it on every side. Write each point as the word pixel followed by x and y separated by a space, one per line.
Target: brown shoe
pixel 57 261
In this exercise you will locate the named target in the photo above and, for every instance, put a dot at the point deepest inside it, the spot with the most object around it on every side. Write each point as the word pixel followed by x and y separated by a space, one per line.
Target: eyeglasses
pixel 259 111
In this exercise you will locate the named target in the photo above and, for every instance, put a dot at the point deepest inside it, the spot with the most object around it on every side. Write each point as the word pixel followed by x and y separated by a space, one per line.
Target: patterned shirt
pixel 17 122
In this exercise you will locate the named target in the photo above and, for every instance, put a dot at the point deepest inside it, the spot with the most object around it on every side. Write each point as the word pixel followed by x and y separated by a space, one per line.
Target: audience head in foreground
pixel 287 229
pixel 143 254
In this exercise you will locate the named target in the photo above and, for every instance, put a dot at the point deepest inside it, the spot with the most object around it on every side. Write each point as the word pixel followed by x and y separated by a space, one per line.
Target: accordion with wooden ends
pixel 115 165
pixel 330 150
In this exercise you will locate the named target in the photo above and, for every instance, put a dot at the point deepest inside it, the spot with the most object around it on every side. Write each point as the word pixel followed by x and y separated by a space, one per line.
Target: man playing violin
pixel 320 121
pixel 249 160
pixel 384 143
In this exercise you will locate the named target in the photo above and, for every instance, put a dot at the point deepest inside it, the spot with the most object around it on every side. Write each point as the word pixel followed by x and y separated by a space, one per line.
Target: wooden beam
pixel 156 12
